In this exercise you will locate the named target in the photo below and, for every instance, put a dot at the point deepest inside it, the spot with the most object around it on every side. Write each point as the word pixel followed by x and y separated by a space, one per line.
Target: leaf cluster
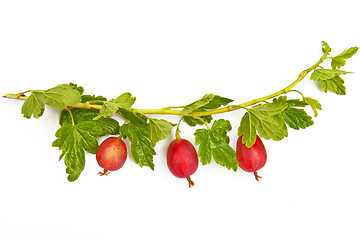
pixel 330 79
pixel 143 132
pixel 271 120
pixel 57 97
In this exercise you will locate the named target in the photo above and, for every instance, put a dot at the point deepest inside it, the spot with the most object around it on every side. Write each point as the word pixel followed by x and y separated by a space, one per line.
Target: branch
pixel 87 105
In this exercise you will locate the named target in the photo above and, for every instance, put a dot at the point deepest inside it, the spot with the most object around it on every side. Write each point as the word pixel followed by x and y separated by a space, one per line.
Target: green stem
pixel 172 107
pixel 15 96
pixel 88 105
pixel 293 90
pixel 71 116
pixel 177 135
pixel 159 111
pixel 204 122
pixel 258 100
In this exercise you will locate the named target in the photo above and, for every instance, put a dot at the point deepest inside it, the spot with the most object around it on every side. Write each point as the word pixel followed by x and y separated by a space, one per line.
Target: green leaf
pixel 262 119
pixel 124 101
pixel 207 102
pixel 33 107
pixel 194 121
pixel 271 108
pixel 339 60
pixel 315 105
pixel 293 116
pixel 58 97
pixel 106 126
pixel 217 102
pixel 248 129
pixel 294 102
pixel 324 74
pixel 319 74
pixel 214 143
pixel 159 129
pixel 135 118
pixel 325 47
pixel 335 84
pixel 72 141
pixel 330 80
pixel 222 124
pixel 206 99
pixel 109 108
pixel 204 151
pixel 297 118
pixel 284 126
pixel 141 148
pixel 80 89
pixel 89 98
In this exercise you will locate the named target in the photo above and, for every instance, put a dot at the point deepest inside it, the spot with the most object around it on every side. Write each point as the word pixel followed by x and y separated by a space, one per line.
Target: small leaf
pixel 324 74
pixel 59 96
pixel 109 108
pixel 124 101
pixel 159 129
pixel 293 116
pixel 271 108
pixel 80 89
pixel 266 123
pixel 314 104
pixel 335 84
pixel 217 102
pixel 89 98
pixel 214 143
pixel 135 118
pixel 33 107
pixel 248 129
pixel 297 118
pixel 325 47
pixel 204 152
pixel 198 104
pixel 141 149
pixel 194 121
pixel 106 126
pixel 222 124
pixel 72 141
pixel 208 101
pixel 339 60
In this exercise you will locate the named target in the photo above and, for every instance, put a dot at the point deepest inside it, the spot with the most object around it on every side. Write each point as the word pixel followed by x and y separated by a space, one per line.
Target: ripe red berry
pixel 182 159
pixel 111 155
pixel 251 159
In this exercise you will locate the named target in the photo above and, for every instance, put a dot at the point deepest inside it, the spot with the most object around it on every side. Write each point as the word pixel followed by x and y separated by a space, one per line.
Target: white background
pixel 172 53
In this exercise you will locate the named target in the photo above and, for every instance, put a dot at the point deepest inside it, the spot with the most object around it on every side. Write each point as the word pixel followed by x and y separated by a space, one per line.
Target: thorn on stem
pixel 190 182
pixel 257 176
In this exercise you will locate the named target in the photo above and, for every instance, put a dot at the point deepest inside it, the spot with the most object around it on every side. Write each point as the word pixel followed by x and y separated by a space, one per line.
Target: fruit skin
pixel 111 154
pixel 251 159
pixel 182 158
